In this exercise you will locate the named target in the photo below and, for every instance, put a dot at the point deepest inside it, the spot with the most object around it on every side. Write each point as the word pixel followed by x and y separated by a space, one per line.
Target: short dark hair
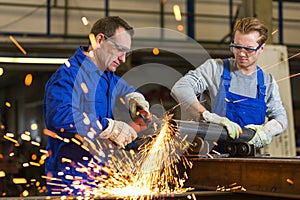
pixel 108 26
pixel 249 24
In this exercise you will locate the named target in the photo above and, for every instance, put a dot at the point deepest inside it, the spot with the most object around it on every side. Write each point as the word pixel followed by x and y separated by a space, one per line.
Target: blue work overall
pixel 237 108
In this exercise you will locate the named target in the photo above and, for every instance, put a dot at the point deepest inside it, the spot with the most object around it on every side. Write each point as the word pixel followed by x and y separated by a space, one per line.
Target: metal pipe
pixel 280 21
pixel 209 131
pixel 162 18
pixel 106 7
pixel 191 18
pixel 66 18
pixel 48 17
pixel 231 20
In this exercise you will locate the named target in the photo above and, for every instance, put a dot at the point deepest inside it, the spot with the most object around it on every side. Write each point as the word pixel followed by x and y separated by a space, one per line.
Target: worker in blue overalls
pixel 79 101
pixel 236 93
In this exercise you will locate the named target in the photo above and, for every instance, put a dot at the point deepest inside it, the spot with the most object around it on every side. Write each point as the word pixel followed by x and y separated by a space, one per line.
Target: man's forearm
pixel 196 109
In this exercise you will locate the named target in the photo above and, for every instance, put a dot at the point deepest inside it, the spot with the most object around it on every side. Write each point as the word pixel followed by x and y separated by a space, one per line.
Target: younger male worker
pixel 236 93
pixel 80 97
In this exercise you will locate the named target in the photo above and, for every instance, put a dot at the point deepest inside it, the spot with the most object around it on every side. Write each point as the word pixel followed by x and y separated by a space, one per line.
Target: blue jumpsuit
pixel 237 108
pixel 76 91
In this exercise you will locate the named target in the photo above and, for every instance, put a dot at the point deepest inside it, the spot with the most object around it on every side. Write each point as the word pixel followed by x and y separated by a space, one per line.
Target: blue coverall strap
pixel 219 106
pixel 261 88
pixel 226 72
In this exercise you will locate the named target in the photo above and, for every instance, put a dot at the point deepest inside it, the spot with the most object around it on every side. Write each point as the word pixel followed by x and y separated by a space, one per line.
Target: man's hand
pixel 233 129
pixel 136 102
pixel 119 132
pixel 260 138
pixel 264 133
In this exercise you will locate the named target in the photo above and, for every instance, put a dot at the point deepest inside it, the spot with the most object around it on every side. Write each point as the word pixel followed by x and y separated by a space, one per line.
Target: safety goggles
pixel 120 48
pixel 249 50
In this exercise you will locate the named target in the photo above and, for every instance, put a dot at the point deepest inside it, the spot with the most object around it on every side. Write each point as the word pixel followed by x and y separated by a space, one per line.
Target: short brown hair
pixel 108 26
pixel 249 24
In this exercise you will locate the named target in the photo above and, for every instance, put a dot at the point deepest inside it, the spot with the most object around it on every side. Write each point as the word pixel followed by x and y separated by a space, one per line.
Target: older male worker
pixel 79 100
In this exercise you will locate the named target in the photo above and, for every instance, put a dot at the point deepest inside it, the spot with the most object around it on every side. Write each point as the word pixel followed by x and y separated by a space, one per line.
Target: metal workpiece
pixel 202 136
pixel 211 131
pixel 264 176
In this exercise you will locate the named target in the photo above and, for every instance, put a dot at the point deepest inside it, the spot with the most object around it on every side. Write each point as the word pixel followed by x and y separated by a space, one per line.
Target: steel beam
pixel 270 177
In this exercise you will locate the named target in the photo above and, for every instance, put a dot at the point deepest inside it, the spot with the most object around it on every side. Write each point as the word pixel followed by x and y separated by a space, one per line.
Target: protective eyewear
pixel 233 47
pixel 119 47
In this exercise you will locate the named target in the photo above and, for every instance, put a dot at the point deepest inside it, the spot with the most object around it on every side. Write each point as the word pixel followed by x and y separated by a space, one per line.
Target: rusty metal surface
pixel 272 177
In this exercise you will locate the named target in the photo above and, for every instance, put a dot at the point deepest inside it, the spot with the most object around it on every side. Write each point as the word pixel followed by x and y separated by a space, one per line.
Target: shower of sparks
pixel 157 171
pixel 231 187
pixel 35 160
pixel 151 171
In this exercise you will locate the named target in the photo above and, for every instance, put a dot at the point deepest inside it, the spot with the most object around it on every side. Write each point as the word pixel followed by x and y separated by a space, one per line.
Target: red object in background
pixel 140 122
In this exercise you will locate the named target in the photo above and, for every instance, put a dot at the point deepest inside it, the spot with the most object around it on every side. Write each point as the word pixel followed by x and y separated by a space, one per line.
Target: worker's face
pixel 246 58
pixel 111 51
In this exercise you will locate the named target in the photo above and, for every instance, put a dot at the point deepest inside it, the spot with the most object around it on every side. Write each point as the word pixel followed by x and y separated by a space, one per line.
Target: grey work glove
pixel 234 130
pixel 136 102
pixel 264 133
pixel 119 132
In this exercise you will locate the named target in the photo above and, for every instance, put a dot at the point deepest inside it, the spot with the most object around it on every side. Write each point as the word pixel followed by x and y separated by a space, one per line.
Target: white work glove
pixel 234 130
pixel 136 102
pixel 119 132
pixel 264 133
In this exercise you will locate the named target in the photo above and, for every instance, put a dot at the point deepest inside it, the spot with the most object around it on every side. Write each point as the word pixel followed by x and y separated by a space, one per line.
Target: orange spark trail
pixel 17 44
pixel 156 171
pixel 282 79
pixel 293 56
pixel 151 171
pixel 291 76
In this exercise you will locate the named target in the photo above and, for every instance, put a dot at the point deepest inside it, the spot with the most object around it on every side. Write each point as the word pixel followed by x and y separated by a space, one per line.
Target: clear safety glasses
pixel 238 48
pixel 121 49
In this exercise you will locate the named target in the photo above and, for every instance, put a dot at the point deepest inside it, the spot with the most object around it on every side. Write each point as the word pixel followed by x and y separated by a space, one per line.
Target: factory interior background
pixel 49 31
